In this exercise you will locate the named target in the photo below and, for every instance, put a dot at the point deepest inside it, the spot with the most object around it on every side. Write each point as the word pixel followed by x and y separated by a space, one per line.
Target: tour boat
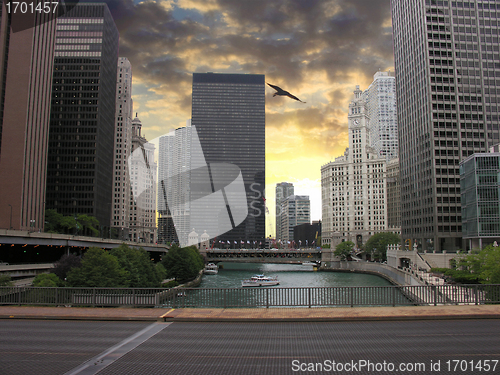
pixel 211 269
pixel 310 264
pixel 260 280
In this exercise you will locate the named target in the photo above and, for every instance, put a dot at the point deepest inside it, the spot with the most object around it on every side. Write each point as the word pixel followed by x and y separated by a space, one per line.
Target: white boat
pixel 310 264
pixel 211 269
pixel 260 280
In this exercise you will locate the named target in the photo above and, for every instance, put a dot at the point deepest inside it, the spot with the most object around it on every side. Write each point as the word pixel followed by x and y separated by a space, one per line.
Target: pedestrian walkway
pixel 254 314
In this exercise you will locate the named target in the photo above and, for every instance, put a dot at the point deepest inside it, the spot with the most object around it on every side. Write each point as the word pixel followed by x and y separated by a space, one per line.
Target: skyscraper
pixel 26 60
pixel 82 118
pixel 380 98
pixel 447 68
pixel 283 191
pixel 174 164
pixel 354 187
pixel 120 219
pixel 141 167
pixel 229 114
pixel 296 210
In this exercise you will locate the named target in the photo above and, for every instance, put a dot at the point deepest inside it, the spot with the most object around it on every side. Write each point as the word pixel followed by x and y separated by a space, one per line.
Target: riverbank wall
pixel 393 275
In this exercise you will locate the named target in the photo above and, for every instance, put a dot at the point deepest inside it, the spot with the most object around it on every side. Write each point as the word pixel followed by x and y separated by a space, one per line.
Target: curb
pixel 328 319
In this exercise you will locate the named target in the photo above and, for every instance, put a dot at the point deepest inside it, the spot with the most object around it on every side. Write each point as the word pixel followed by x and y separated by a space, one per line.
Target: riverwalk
pixel 326 314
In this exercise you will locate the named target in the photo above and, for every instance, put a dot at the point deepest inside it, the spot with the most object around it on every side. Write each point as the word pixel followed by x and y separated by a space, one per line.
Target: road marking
pixel 164 315
pixel 97 363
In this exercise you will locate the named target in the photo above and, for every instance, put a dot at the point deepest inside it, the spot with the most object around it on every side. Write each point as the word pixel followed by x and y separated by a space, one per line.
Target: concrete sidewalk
pixel 326 314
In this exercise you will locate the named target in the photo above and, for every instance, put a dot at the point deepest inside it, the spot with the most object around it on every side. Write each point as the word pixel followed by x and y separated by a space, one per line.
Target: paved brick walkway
pixel 257 314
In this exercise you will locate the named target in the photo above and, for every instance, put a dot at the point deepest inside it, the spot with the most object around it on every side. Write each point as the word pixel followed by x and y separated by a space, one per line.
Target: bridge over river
pixel 291 256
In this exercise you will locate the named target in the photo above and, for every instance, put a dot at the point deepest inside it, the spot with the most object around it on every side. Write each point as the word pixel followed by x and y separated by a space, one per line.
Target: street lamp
pixel 10 226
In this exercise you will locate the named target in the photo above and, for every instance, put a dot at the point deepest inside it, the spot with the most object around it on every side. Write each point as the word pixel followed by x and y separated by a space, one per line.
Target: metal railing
pixel 255 297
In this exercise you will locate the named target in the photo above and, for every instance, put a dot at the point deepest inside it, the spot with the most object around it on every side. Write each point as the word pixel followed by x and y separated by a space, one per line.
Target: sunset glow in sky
pixel 319 50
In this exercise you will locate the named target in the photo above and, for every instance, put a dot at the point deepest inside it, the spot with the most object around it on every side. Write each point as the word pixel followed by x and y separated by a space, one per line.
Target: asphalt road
pixel 90 347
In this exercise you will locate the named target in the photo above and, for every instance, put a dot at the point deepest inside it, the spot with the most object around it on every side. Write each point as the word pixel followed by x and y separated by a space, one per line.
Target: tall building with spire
pixel 353 187
pixel 142 169
pixel 447 73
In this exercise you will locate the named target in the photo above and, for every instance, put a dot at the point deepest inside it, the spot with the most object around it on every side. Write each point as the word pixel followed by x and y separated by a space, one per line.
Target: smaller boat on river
pixel 260 280
pixel 211 269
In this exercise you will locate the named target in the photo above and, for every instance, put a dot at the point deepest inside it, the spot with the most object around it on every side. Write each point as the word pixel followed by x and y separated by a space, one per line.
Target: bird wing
pixel 293 97
pixel 279 89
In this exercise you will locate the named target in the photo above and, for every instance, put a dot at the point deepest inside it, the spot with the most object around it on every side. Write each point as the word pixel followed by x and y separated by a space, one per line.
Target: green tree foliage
pixel 47 280
pixel 377 244
pixel 484 264
pixel 5 280
pixel 183 263
pixel 98 269
pixel 82 224
pixel 343 249
pixel 141 271
pixel 63 265
pixel 88 225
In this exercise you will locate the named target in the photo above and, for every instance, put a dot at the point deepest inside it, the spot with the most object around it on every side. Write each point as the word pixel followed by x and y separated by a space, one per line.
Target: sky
pixel 318 50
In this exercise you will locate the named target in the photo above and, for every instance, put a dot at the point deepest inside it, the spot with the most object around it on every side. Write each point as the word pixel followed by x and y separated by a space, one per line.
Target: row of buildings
pixel 67 131
pixel 447 64
pixel 70 142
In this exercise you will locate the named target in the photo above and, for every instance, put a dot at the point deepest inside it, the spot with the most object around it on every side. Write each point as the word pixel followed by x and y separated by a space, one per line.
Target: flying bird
pixel 281 92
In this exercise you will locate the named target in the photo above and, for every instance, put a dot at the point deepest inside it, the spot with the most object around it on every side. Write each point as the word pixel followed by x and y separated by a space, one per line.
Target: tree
pixel 89 225
pixel 47 280
pixel 484 264
pixel 63 265
pixel 183 263
pixel 57 223
pixel 377 244
pixel 5 280
pixel 343 249
pixel 98 269
pixel 53 221
pixel 142 272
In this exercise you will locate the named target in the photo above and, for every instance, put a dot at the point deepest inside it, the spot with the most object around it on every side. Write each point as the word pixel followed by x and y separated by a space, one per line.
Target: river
pixel 289 275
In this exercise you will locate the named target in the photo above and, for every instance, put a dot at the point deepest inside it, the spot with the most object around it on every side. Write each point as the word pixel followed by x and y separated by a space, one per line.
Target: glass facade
pixel 228 111
pixel 283 191
pixel 82 118
pixel 447 64
pixel 480 187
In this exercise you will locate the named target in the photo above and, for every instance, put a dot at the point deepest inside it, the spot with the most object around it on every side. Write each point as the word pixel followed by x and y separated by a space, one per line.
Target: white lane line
pixel 97 363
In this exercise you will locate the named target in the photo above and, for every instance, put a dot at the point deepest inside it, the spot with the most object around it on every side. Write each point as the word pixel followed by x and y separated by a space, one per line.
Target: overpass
pixel 33 247
pixel 20 237
pixel 292 256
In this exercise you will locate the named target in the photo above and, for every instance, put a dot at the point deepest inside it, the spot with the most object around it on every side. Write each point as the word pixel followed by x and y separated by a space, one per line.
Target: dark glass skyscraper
pixel 81 139
pixel 229 114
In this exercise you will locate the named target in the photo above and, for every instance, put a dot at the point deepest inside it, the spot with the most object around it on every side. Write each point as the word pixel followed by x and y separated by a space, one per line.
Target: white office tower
pixel 353 187
pixel 174 160
pixel 381 108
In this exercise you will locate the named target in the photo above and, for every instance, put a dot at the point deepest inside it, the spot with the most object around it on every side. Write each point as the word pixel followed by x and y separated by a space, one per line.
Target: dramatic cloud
pixel 317 49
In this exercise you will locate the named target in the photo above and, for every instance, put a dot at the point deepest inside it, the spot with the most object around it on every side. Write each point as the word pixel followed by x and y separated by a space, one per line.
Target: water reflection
pixel 290 275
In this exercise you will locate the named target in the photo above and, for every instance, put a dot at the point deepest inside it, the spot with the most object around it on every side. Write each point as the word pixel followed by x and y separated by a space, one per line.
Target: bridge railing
pixel 255 297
